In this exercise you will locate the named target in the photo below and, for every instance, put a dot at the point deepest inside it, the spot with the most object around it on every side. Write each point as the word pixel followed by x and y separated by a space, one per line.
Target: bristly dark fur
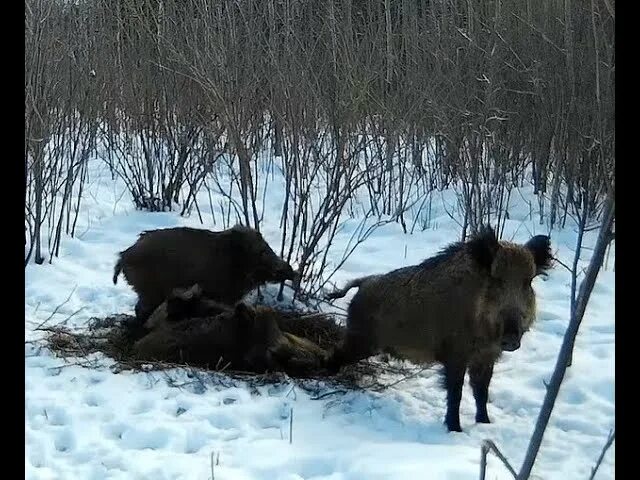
pixel 540 247
pixel 442 256
pixel 478 304
pixel 482 247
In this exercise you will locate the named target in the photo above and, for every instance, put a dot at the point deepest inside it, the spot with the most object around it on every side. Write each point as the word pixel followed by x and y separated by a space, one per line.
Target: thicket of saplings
pixel 355 109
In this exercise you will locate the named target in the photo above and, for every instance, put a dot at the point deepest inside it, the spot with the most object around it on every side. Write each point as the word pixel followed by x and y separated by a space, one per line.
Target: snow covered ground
pixel 83 423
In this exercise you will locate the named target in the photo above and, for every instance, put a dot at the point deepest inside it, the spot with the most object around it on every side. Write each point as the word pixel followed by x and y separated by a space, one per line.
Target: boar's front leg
pixel 454 369
pixel 480 372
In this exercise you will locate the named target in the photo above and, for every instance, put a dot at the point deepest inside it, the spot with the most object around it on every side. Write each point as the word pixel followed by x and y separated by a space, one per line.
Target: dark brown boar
pixel 461 308
pixel 183 304
pixel 293 351
pixel 227 264
pixel 244 337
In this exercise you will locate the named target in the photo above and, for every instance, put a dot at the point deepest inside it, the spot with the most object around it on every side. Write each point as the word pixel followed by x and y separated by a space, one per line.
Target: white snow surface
pixel 90 423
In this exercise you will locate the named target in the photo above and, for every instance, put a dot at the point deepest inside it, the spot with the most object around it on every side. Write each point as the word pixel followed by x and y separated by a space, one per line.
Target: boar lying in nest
pixel 190 329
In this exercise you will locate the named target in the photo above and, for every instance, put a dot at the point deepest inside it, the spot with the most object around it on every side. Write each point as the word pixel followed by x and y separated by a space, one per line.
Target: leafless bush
pixel 365 109
pixel 60 123
pixel 377 105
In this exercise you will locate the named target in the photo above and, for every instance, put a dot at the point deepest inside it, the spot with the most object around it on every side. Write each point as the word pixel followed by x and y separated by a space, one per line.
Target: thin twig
pixel 611 437
pixel 55 310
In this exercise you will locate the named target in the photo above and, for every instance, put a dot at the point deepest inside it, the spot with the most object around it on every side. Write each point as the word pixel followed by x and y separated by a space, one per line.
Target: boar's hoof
pixel 482 419
pixel 453 425
pixel 331 363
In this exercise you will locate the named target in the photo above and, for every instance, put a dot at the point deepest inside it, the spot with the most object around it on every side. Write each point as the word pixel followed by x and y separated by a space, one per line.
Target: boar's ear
pixel 483 246
pixel 181 302
pixel 177 292
pixel 186 294
pixel 195 291
pixel 540 248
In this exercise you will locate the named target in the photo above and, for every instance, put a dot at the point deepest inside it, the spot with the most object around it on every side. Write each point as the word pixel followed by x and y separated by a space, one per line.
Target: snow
pixel 90 423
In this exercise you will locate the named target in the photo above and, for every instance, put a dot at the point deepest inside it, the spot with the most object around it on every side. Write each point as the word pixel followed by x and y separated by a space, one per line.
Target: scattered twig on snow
pixel 488 445
pixel 291 426
pixel 327 394
pixel 55 310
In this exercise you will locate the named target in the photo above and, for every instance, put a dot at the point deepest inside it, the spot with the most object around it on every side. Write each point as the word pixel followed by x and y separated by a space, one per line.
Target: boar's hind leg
pixel 480 373
pixel 360 339
pixel 454 370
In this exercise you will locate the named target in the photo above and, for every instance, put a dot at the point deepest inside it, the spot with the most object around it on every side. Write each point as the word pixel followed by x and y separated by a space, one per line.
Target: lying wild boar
pixel 227 264
pixel 246 338
pixel 461 308
pixel 296 351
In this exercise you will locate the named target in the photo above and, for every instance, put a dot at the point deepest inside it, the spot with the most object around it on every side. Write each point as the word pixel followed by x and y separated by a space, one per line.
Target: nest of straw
pixel 114 337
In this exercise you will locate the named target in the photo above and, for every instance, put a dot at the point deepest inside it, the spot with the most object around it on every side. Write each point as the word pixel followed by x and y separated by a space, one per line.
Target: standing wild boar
pixel 461 308
pixel 246 338
pixel 227 264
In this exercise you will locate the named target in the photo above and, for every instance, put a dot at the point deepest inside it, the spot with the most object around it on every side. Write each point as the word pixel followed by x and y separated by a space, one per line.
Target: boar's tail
pixel 117 270
pixel 343 291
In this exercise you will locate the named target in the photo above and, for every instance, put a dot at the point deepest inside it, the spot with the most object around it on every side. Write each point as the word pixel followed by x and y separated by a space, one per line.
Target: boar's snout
pixel 283 271
pixel 510 344
pixel 512 333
